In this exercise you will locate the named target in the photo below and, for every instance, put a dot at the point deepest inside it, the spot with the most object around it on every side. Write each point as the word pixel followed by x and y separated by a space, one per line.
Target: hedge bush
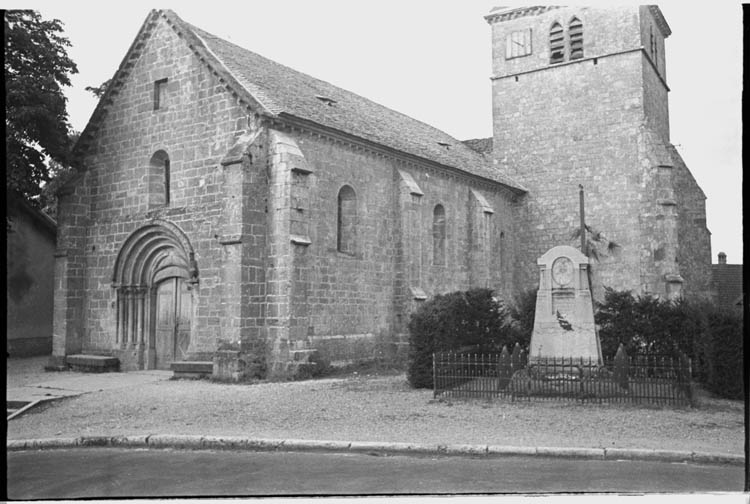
pixel 712 338
pixel 724 355
pixel 646 324
pixel 521 324
pixel 473 318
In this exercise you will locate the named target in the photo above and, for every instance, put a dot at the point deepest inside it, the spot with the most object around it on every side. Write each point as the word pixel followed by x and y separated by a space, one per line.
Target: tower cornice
pixel 655 11
pixel 500 14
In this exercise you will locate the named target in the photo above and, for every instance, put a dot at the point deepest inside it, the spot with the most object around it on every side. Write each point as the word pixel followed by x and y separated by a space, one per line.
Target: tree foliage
pixel 521 318
pixel 99 90
pixel 37 66
pixel 597 245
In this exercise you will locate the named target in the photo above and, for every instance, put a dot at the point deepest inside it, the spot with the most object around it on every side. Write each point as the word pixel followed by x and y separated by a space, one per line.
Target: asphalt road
pixel 104 472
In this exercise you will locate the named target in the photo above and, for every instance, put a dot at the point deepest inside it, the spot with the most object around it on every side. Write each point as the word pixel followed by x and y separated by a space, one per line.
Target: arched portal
pixel 154 276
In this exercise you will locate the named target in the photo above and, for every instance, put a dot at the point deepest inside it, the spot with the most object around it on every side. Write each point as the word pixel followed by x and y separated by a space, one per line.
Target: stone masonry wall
pixel 694 248
pixel 68 318
pixel 570 125
pixel 197 123
pixel 343 301
pixel 349 305
pixel 602 122
pixel 611 30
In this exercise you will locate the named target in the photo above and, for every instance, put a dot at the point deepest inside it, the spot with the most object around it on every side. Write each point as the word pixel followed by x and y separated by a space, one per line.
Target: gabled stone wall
pixel 197 124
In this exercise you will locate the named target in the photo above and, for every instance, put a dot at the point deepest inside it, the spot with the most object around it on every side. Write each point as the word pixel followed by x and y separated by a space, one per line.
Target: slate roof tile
pixel 727 282
pixel 285 91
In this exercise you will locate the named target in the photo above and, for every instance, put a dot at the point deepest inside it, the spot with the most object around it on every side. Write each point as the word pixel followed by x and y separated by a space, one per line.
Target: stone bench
pixel 192 369
pixel 93 363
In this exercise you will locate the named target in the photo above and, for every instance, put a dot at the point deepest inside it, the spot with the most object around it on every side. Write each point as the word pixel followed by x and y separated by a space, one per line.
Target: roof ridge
pixel 19 200
pixel 115 81
pixel 272 88
pixel 234 59
pixel 222 72
pixel 318 79
pixel 195 29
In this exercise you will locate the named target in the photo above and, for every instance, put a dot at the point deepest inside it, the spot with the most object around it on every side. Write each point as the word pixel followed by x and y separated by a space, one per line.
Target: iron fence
pixel 652 379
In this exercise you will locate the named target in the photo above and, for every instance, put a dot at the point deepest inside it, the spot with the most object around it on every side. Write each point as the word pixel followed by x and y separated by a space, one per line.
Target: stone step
pixel 15 408
pixel 92 363
pixel 192 369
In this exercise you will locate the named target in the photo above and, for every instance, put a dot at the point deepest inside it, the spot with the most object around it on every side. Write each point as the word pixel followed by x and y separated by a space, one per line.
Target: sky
pixel 431 59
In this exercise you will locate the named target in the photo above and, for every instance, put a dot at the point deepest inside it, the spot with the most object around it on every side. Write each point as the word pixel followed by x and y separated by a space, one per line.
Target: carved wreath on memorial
pixel 562 271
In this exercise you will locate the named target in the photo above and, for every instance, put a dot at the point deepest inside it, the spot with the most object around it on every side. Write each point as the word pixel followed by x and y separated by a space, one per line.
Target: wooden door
pixel 172 328
pixel 183 309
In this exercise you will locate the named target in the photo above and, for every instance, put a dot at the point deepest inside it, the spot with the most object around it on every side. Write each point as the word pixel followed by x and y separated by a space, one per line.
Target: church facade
pixel 230 209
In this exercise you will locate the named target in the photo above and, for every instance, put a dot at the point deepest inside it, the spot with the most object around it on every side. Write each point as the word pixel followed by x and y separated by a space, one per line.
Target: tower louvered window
pixel 654 48
pixel 575 34
pixel 556 44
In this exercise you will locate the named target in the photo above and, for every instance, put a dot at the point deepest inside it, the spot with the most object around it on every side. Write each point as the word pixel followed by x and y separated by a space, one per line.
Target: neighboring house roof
pixel 481 145
pixel 727 283
pixel 282 92
pixel 16 203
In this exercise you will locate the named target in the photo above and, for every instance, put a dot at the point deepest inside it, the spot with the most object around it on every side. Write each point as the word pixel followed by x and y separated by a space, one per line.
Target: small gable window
pixel 347 218
pixel 438 235
pixel 159 180
pixel 160 94
pixel 575 35
pixel 556 44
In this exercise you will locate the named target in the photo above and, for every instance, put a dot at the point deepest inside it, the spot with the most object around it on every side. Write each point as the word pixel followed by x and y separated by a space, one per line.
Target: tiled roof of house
pixel 283 91
pixel 481 145
pixel 727 282
pixel 16 203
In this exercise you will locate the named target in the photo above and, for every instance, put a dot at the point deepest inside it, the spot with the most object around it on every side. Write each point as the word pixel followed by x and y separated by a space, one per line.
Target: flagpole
pixel 583 221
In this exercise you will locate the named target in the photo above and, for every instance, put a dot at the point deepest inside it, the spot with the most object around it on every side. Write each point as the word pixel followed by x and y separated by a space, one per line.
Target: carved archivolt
pixel 152 253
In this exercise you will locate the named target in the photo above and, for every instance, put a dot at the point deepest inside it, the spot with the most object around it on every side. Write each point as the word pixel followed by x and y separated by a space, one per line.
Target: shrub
pixel 709 336
pixel 521 324
pixel 453 321
pixel 724 376
pixel 645 324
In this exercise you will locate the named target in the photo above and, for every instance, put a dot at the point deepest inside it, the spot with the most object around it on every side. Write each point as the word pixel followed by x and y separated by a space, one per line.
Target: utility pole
pixel 583 222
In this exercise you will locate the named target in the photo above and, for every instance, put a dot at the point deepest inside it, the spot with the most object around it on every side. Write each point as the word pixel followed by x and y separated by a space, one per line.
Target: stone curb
pixel 194 442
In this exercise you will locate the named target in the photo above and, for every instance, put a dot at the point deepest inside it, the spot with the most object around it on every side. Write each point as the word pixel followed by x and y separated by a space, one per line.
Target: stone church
pixel 231 210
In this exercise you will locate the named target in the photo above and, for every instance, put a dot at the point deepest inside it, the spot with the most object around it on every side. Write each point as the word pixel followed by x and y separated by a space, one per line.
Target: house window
pixel 517 44
pixel 160 94
pixel 159 179
pixel 575 35
pixel 438 235
pixel 556 44
pixel 347 217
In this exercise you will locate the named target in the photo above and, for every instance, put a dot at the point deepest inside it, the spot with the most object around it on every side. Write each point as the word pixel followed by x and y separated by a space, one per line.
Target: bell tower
pixel 580 97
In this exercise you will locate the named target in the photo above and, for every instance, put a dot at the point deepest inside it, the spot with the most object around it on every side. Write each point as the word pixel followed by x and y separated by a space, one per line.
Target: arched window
pixel 347 219
pixel 556 44
pixel 158 180
pixel 575 35
pixel 438 235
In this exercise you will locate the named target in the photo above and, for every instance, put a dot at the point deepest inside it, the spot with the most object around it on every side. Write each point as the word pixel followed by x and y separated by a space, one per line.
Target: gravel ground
pixel 373 408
